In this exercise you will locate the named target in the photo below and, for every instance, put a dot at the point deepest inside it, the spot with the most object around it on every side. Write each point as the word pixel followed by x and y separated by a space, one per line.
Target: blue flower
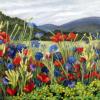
pixel 68 83
pixel 38 56
pixel 68 67
pixel 57 56
pixel 32 67
pixel 97 51
pixel 10 66
pixel 71 84
pixel 71 60
pixel 19 47
pixel 1 61
pixel 53 48
pixel 57 72
pixel 39 34
pixel 45 70
pixel 5 81
pixel 35 43
pixel 1 41
pixel 11 51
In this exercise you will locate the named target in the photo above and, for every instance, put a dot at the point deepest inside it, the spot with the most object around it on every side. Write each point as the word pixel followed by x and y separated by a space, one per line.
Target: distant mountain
pixel 90 24
pixel 48 27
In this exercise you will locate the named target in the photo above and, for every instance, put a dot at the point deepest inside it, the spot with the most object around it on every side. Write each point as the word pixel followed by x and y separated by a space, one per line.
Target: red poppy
pixel 1 38
pixel 79 49
pixel 58 63
pixel 78 75
pixel 94 66
pixel 60 79
pixel 25 52
pixel 93 74
pixel 0 90
pixel 5 37
pixel 11 92
pixel 86 76
pixel 1 53
pixel 70 76
pixel 38 63
pixel 41 64
pixel 82 59
pixel 29 87
pixel 17 60
pixel 76 68
pixel 98 76
pixel 31 60
pixel 48 56
pixel 43 77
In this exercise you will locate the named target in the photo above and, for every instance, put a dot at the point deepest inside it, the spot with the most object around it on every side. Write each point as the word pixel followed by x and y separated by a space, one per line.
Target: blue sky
pixel 50 11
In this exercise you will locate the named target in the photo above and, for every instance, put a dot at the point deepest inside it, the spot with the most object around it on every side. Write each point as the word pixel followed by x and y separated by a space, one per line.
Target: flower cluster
pixel 63 37
pixel 25 69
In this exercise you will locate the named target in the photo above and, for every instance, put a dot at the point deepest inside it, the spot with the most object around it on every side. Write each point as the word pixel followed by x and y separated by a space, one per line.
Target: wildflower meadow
pixel 61 69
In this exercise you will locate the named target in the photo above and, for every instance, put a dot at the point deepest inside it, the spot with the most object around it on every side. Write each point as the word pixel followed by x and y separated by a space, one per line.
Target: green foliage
pixel 59 92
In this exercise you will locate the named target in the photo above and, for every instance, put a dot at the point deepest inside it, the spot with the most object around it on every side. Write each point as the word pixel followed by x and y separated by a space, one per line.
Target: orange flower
pixel 71 36
pixel 58 37
pixel 58 63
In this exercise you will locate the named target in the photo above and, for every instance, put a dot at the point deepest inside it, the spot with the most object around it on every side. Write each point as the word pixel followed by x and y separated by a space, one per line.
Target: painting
pixel 49 50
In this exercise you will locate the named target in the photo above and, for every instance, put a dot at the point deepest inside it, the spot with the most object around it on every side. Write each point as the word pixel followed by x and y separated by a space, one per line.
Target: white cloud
pixel 51 11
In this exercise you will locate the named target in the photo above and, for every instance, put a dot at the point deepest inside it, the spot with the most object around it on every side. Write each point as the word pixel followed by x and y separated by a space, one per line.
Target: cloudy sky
pixel 50 11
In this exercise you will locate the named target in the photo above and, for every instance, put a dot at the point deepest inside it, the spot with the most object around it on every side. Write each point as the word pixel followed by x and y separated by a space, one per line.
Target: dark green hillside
pixel 21 27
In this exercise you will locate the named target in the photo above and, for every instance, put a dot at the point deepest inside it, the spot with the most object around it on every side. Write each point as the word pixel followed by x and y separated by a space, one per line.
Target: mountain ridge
pixel 88 23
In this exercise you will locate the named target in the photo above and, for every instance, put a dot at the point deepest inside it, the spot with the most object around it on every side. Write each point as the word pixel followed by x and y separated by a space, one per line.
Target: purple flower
pixel 71 84
pixel 32 67
pixel 5 81
pixel 68 67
